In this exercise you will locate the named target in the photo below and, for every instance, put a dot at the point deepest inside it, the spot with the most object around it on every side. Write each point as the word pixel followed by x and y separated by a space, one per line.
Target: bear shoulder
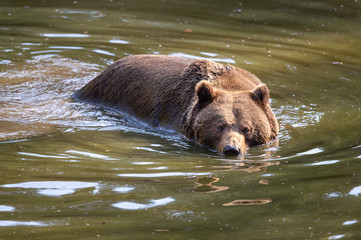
pixel 229 78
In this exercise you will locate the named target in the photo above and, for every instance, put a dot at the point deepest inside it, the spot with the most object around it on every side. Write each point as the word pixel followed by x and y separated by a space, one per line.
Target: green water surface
pixel 71 170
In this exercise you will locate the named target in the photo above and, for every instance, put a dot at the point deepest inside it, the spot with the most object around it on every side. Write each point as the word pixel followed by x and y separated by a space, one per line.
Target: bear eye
pixel 246 129
pixel 197 135
pixel 221 128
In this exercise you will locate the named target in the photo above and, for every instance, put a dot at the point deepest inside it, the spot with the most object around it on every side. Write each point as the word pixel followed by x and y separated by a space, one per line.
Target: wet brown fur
pixel 187 95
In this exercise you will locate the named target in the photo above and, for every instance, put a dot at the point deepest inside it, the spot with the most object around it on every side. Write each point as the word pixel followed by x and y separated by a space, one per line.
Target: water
pixel 73 170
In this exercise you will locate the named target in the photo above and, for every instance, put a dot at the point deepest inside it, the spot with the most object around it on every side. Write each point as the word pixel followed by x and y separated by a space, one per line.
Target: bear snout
pixel 232 143
pixel 231 150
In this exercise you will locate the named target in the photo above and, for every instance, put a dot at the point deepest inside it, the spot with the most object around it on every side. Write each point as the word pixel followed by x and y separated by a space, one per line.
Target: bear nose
pixel 231 150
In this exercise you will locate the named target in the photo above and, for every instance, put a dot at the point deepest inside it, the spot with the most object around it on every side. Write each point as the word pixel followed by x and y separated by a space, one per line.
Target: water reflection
pixel 124 189
pixel 4 208
pixel 42 155
pixel 294 117
pixel 334 237
pixel 118 41
pixel 310 152
pixel 33 101
pixel 149 149
pixel 21 130
pixel 144 163
pixel 323 163
pixel 246 202
pixel 137 206
pixel 355 191
pixel 64 35
pixel 5 223
pixel 54 188
pixel 346 223
pixel 225 60
pixel 264 182
pixel 66 47
pixel 162 174
pixel 334 195
pixel 90 154
pixel 103 52
pixel 246 165
pixel 204 185
pixel 314 85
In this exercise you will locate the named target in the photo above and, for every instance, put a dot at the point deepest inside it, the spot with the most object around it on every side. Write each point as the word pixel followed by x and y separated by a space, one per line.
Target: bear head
pixel 232 121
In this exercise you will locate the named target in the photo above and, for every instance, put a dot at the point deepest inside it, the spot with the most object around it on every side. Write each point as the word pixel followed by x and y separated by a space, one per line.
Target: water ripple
pixel 118 41
pixel 225 60
pixel 149 149
pixel 6 223
pixel 124 189
pixel 163 174
pixel 66 47
pixel 137 206
pixel 40 155
pixel 323 163
pixel 65 35
pixel 346 223
pixel 4 208
pixel 355 191
pixel 54 188
pixel 310 152
pixel 91 155
pixel 103 52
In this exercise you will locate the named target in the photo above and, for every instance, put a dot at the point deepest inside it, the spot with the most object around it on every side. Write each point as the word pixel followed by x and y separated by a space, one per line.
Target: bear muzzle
pixel 231 150
pixel 233 143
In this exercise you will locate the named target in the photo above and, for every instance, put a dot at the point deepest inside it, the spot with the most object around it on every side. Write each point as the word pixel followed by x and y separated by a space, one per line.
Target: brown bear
pixel 222 107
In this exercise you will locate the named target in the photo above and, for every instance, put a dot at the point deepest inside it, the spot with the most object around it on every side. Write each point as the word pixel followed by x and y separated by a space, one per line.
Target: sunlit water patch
pixel 137 206
pixel 37 155
pixel 355 191
pixel 161 174
pixel 124 189
pixel 118 41
pixel 5 208
pixel 208 56
pixel 5 223
pixel 323 163
pixel 53 188
pixel 346 223
pixel 90 155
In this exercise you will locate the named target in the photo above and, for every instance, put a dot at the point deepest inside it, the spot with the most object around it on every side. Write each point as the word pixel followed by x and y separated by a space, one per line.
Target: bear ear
pixel 205 93
pixel 260 93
